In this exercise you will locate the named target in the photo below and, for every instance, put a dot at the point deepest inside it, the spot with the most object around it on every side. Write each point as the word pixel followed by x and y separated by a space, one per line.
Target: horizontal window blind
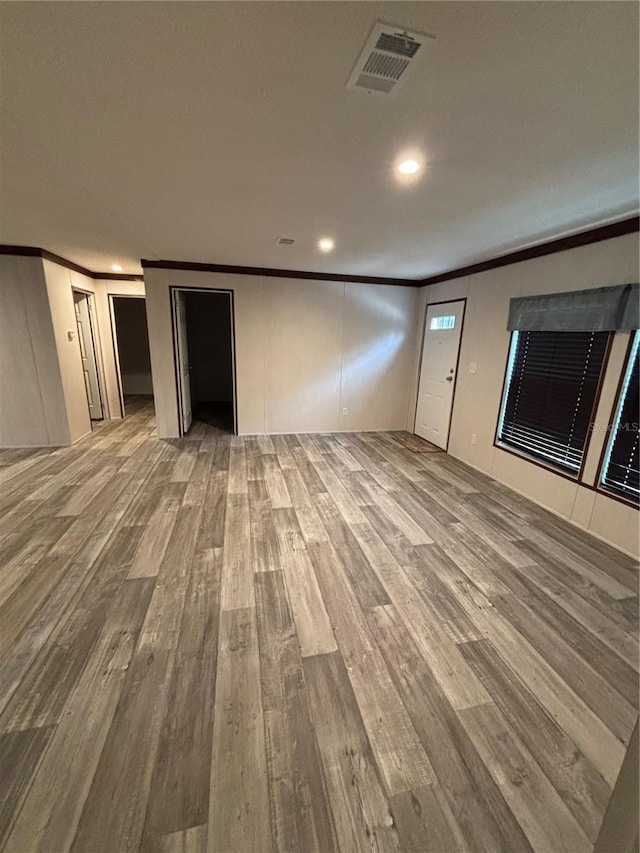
pixel 621 471
pixel 552 382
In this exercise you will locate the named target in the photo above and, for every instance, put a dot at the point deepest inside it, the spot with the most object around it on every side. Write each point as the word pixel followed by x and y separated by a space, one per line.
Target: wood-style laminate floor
pixel 300 643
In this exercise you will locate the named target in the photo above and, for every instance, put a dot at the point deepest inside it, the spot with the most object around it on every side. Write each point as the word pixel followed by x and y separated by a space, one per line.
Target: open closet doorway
pixel 205 358
pixel 131 344
pixel 87 339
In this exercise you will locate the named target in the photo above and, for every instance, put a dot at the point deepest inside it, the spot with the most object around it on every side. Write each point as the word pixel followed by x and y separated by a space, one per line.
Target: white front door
pixel 183 362
pixel 88 354
pixel 437 372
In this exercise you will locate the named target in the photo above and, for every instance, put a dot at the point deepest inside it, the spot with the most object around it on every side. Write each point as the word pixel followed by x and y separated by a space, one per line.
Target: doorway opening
pixel 131 344
pixel 439 370
pixel 87 339
pixel 205 358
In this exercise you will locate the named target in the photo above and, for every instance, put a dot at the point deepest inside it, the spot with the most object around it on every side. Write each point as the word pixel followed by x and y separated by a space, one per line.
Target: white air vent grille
pixel 386 60
pixel 286 241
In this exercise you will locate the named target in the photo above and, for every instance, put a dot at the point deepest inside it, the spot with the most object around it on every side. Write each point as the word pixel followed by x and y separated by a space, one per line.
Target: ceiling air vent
pixel 286 241
pixel 386 60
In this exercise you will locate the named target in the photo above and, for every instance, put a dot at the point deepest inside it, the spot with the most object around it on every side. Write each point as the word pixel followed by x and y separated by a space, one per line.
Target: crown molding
pixel 36 252
pixel 562 244
pixel 572 241
pixel 272 272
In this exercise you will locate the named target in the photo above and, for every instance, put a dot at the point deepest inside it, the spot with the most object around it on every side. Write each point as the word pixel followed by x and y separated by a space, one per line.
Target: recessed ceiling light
pixel 116 267
pixel 326 244
pixel 409 167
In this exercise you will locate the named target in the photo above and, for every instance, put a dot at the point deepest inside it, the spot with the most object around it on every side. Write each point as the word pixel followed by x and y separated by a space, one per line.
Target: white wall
pixel 485 340
pixel 32 409
pixel 42 393
pixel 60 291
pixel 304 351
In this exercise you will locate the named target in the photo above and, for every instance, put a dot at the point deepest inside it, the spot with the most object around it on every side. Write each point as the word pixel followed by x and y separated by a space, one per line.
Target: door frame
pixel 114 339
pixel 97 349
pixel 455 378
pixel 173 291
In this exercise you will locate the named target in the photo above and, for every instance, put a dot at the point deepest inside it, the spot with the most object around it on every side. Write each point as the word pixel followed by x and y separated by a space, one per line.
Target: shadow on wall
pixel 367 352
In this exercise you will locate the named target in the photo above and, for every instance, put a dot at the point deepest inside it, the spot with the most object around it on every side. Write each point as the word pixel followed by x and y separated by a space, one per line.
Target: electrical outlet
pixel 472 367
pixel 345 412
pixel 474 438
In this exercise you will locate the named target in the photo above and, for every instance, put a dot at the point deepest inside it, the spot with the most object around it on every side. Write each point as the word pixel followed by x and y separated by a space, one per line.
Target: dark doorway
pixel 210 346
pixel 132 348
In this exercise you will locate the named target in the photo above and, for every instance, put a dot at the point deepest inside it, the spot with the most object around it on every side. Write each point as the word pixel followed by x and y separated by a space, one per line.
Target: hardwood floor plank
pixel 184 462
pixel 266 550
pixel 360 807
pixel 581 562
pixel 333 644
pixel 576 780
pixel 275 482
pixel 301 819
pixel 304 506
pixel 543 816
pixel 620 568
pixel 179 794
pixel 192 840
pixel 603 623
pixel 432 634
pixel 162 623
pixel 400 519
pixel 77 550
pixel 237 558
pixel 314 629
pixel 425 822
pixel 239 815
pixel 343 500
pixel 603 699
pixel 214 511
pixel 42 694
pixel 113 815
pixel 484 819
pixel 91 487
pixel 158 530
pixel 237 468
pixel 363 579
pixel 51 812
pixel 21 752
pixel 591 650
pixel 580 723
pixel 403 763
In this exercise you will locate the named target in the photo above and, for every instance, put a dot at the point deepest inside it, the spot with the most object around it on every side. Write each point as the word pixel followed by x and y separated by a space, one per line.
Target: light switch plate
pixel 472 367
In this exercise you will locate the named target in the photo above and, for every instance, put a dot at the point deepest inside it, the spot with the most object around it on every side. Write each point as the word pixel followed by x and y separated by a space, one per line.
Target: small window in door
pixel 446 321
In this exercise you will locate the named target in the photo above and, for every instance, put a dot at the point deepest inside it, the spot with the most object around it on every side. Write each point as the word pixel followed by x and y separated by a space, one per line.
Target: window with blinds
pixel 550 394
pixel 621 469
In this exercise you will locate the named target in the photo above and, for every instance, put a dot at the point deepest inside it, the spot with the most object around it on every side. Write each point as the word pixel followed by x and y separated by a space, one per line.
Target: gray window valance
pixel 601 309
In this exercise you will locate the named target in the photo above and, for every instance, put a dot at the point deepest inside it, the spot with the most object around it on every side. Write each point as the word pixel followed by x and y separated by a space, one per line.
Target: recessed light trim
pixel 116 267
pixel 326 244
pixel 408 167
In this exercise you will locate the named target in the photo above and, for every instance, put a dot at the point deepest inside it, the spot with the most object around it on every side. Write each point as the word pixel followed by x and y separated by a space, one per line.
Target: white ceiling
pixel 205 131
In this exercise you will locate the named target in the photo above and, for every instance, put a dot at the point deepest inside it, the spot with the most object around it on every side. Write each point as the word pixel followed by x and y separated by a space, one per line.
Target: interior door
pixel 184 395
pixel 438 371
pixel 88 355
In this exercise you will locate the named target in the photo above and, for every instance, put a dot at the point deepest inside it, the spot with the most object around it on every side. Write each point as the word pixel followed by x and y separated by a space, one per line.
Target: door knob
pixel 449 378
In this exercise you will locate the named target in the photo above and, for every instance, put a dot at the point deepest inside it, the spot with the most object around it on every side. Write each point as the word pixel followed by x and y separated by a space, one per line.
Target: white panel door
pixel 183 361
pixel 88 355
pixel 437 372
